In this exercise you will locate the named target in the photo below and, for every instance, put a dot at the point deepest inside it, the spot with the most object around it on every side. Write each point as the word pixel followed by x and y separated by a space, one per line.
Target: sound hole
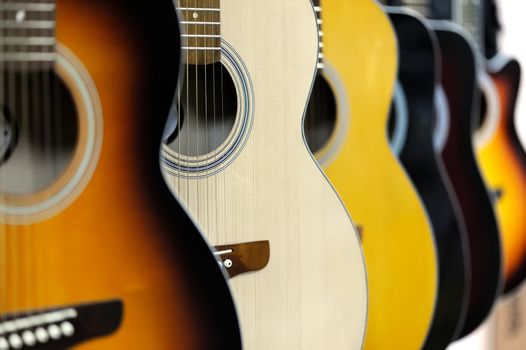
pixel 320 120
pixel 40 130
pixel 207 109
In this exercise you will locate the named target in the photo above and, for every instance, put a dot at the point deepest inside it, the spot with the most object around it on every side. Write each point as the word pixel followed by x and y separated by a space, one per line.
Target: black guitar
pixel 459 82
pixel 412 130
pixel 457 110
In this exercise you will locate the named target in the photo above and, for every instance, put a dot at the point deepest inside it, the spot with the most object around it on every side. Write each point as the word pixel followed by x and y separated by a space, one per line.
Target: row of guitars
pixel 414 129
pixel 279 174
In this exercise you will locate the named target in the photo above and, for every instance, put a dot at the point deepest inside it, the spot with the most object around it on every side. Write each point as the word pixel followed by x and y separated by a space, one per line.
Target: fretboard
pixel 421 6
pixel 317 9
pixel 200 22
pixel 27 31
pixel 468 14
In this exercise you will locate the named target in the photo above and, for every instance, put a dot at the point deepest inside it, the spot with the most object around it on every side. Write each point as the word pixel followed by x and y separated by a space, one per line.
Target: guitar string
pixel 3 225
pixel 196 98
pixel 187 119
pixel 216 134
pixel 57 111
pixel 222 233
pixel 10 230
pixel 51 157
pixel 23 244
pixel 179 111
pixel 205 40
pixel 206 44
pixel 31 104
pixel 16 229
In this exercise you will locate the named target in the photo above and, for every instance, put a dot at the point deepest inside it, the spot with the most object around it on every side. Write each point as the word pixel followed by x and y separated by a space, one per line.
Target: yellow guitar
pixel 347 133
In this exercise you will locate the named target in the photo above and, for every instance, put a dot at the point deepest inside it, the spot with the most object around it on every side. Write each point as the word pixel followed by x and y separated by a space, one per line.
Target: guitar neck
pixel 28 29
pixel 200 22
pixel 469 14
pixel 317 9
pixel 421 6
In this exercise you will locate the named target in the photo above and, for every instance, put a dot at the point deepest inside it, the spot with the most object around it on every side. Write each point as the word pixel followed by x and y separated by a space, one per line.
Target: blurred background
pixel 506 330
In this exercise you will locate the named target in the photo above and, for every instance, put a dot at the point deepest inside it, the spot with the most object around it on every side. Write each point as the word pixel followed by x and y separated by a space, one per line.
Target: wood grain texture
pixel 312 294
pixel 124 237
pixel 397 239
pixel 503 164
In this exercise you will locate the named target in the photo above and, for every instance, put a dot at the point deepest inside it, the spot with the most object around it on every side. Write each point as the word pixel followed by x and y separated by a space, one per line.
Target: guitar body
pixel 119 236
pixel 503 163
pixel 417 77
pixel 311 292
pixel 396 236
pixel 459 83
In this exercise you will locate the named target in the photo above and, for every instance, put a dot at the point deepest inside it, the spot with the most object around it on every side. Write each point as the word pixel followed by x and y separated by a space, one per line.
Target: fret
pixel 28 41
pixel 27 24
pixel 197 9
pixel 28 57
pixel 15 6
pixel 201 48
pixel 200 22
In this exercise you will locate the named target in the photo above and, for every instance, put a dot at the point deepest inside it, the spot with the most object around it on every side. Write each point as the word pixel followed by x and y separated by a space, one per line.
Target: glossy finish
pixel 360 45
pixel 313 292
pixel 503 163
pixel 124 237
pixel 459 83
pixel 419 70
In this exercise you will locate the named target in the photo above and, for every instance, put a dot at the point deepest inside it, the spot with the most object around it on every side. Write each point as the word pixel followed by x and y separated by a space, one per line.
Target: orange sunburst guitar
pixel 499 151
pixel 503 162
pixel 94 251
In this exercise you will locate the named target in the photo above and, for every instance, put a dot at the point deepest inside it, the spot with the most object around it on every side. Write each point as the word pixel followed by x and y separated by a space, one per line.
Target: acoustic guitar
pixel 457 112
pixel 412 119
pixel 236 157
pixel 94 249
pixel 346 127
pixel 500 153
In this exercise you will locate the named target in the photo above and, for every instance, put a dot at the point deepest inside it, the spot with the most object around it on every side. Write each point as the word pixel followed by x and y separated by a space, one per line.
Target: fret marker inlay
pixel 20 16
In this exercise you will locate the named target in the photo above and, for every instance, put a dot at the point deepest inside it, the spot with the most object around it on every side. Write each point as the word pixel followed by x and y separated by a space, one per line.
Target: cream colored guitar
pixel 236 157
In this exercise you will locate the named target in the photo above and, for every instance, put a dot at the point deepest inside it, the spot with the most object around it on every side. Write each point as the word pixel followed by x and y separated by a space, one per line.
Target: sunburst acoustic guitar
pixel 95 253
pixel 346 127
pixel 236 157
pixel 500 153
pixel 412 124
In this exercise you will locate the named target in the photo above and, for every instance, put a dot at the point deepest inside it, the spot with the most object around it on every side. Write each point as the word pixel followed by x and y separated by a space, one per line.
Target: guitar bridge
pixel 243 257
pixel 59 328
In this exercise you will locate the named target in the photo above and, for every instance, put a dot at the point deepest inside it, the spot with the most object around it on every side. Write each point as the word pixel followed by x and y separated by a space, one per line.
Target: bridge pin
pixel 15 341
pixel 42 335
pixel 4 345
pixel 67 329
pixel 54 331
pixel 29 338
